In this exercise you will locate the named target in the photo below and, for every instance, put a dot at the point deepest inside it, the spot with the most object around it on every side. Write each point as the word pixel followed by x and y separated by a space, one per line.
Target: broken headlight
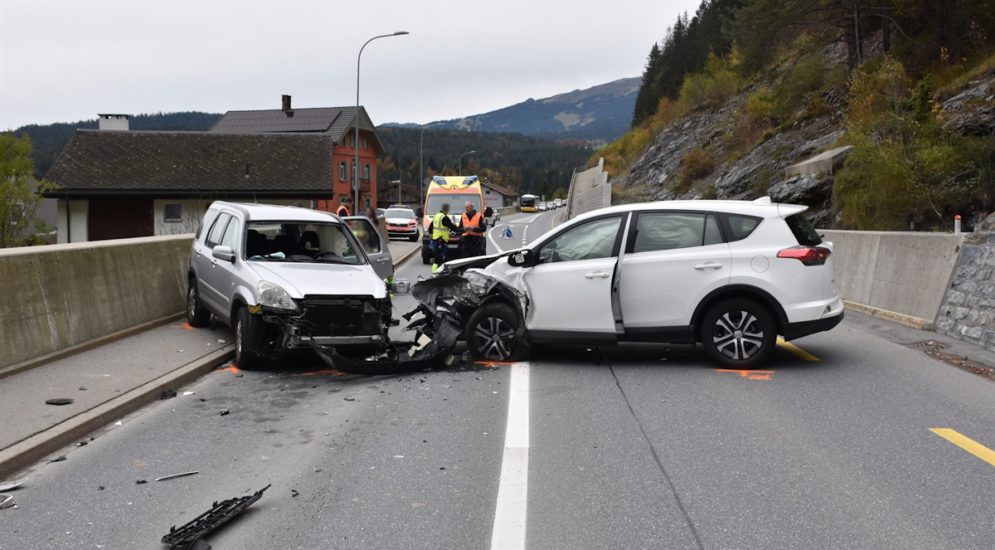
pixel 274 296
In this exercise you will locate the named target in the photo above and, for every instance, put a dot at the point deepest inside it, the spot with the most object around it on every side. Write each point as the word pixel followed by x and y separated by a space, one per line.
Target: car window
pixel 232 235
pixel 267 241
pixel 595 239
pixel 208 218
pixel 366 234
pixel 674 230
pixel 217 230
pixel 741 226
pixel 803 230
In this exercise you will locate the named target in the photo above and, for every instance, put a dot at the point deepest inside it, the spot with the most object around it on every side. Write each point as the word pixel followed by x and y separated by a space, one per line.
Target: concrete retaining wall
pixel 589 189
pixel 899 272
pixel 64 295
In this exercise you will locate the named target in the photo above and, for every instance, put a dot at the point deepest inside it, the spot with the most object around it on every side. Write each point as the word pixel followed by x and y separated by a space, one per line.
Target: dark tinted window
pixel 803 230
pixel 740 227
pixel 673 230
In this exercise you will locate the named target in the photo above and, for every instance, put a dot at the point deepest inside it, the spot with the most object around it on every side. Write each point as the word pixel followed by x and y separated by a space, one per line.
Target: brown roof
pixel 173 164
pixel 332 121
pixel 501 189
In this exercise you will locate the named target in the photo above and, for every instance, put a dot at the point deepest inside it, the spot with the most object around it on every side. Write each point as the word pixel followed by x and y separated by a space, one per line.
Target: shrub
pixel 712 86
pixel 905 170
pixel 696 164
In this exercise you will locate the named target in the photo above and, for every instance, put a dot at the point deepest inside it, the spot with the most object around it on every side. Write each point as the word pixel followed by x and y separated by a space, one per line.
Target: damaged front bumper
pixel 445 302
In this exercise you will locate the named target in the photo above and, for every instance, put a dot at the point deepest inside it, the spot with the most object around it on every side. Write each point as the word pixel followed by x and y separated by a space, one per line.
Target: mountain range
pixel 597 114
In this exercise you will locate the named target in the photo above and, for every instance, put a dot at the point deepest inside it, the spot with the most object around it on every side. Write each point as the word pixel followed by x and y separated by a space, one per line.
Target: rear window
pixel 741 227
pixel 803 231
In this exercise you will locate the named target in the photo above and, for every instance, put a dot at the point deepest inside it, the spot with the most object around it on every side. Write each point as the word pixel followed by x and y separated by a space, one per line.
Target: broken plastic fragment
pixel 59 401
pixel 174 476
pixel 189 535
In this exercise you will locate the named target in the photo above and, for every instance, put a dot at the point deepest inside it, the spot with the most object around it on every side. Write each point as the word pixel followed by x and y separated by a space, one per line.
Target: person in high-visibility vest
pixel 474 229
pixel 442 225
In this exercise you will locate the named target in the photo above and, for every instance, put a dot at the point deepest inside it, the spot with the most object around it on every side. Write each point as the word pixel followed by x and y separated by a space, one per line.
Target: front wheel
pixel 197 314
pixel 249 334
pixel 739 334
pixel 493 334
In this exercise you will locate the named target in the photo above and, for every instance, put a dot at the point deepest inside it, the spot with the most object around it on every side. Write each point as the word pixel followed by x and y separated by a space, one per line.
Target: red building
pixel 338 123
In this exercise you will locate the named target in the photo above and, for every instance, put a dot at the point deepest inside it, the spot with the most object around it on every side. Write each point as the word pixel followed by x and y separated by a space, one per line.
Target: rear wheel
pixel 426 255
pixel 249 335
pixel 493 334
pixel 197 314
pixel 739 334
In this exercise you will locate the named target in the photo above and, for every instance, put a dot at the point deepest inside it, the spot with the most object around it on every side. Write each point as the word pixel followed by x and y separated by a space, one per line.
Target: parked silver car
pixel 289 278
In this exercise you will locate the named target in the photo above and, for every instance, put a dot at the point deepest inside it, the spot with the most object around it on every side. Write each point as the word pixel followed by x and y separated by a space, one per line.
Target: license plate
pixel 453 246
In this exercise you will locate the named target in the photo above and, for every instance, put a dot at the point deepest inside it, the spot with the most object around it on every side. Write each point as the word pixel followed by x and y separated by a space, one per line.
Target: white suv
pixel 732 275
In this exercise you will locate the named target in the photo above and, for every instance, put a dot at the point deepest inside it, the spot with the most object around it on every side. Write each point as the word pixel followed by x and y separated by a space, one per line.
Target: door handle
pixel 708 265
pixel 596 275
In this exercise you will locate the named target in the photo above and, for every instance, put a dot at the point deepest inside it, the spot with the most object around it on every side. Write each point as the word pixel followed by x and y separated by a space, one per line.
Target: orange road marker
pixel 184 326
pixel 232 368
pixel 765 375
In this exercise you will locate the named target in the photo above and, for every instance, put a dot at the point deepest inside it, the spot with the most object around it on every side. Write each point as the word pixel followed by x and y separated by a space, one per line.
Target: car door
pixel 373 243
pixel 223 273
pixel 210 294
pixel 671 261
pixel 570 287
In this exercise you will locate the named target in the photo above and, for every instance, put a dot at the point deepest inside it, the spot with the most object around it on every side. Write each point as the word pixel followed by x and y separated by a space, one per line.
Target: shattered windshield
pixel 301 242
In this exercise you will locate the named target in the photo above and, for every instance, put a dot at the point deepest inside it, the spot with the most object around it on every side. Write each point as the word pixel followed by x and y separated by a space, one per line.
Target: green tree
pixel 19 192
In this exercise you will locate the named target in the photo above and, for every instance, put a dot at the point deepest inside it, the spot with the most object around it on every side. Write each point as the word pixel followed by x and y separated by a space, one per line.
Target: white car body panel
pixel 571 296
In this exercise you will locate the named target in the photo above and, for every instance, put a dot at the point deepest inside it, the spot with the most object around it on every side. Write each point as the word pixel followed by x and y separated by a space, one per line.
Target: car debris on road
pixel 174 476
pixel 189 535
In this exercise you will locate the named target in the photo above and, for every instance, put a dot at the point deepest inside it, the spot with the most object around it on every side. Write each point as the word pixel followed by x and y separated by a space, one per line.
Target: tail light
pixel 808 255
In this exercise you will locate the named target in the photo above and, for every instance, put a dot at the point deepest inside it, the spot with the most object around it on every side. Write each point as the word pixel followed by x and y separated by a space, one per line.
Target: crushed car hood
pixel 301 279
pixel 458 266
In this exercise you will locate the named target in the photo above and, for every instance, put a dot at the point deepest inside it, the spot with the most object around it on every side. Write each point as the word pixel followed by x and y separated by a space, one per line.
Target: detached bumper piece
pixel 189 535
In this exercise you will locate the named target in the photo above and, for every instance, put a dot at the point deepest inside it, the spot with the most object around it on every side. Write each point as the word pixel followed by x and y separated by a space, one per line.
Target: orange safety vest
pixel 345 209
pixel 471 226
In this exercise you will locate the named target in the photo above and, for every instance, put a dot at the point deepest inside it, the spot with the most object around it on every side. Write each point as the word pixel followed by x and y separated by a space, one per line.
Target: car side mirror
pixel 522 258
pixel 224 253
pixel 488 212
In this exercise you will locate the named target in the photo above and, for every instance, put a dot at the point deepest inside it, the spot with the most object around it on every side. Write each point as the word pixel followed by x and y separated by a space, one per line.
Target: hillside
pixel 915 103
pixel 598 114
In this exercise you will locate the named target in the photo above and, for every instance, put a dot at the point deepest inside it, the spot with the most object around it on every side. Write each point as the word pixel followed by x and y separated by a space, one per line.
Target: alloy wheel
pixel 495 338
pixel 738 335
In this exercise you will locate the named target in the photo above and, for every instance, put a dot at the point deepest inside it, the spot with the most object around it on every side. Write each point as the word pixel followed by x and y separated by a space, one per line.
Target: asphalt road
pixel 635 447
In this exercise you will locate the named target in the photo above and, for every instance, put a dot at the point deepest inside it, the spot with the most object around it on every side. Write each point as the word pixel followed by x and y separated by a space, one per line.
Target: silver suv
pixel 289 278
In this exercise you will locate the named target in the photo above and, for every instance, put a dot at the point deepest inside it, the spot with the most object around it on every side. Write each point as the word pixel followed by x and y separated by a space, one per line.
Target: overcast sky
pixel 67 60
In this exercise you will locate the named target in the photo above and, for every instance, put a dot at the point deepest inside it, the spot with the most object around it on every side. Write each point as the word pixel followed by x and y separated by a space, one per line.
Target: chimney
pixel 113 122
pixel 286 104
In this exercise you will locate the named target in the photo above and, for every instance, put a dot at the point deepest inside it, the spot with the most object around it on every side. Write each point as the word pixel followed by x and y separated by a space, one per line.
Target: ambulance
pixel 454 191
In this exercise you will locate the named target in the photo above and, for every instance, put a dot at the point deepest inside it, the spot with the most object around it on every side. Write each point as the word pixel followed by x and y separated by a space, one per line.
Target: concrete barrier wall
pixel 901 272
pixel 64 295
pixel 589 189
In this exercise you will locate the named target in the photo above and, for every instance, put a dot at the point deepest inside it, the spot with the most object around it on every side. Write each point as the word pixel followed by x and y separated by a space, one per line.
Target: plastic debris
pixel 141 481
pixel 174 476
pixel 186 393
pixel 60 458
pixel 10 485
pixel 225 412
pixel 6 501
pixel 59 401
pixel 189 535
pixel 167 394
pixel 294 493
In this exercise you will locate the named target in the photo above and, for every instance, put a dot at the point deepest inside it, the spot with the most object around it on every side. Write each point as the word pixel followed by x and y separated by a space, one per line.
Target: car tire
pixel 248 336
pixel 197 315
pixel 413 238
pixel 426 257
pixel 738 334
pixel 492 334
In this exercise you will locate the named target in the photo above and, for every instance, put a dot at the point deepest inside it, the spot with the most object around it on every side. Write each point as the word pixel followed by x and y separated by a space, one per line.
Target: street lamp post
pixel 355 140
pixel 460 173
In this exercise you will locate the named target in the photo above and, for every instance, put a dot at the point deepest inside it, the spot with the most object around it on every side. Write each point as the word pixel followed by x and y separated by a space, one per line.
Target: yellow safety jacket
pixel 439 231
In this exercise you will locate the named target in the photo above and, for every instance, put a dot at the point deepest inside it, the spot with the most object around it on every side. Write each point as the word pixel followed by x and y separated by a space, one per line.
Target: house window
pixel 343 171
pixel 173 213
pixel 365 144
pixel 366 172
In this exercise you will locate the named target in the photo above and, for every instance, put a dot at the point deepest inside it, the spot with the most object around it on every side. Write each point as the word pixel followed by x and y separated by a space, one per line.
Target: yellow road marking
pixel 966 443
pixel 802 354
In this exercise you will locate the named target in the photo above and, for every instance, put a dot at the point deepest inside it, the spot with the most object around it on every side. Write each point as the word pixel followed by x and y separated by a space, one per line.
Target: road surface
pixel 635 447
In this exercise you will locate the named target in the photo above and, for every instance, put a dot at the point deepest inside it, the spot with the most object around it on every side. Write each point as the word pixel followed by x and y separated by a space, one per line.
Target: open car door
pixel 373 243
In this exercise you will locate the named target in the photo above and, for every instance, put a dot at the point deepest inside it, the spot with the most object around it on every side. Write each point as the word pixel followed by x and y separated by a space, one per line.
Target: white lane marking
pixel 490 237
pixel 513 489
pixel 530 219
pixel 525 233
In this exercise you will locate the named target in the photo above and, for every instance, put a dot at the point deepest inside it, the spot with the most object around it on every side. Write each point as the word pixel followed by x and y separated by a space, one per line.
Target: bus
pixel 528 203
pixel 455 191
